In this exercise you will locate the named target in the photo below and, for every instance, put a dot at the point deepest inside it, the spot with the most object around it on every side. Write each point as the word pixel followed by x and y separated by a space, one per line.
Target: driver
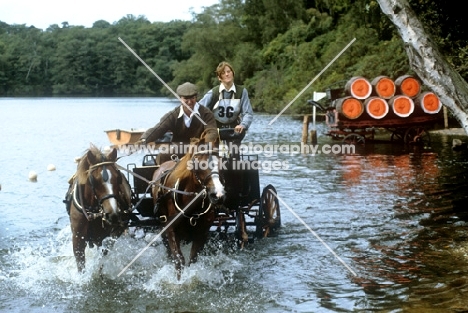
pixel 182 121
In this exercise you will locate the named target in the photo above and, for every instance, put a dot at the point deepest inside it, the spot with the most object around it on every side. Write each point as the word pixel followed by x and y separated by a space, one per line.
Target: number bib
pixel 226 111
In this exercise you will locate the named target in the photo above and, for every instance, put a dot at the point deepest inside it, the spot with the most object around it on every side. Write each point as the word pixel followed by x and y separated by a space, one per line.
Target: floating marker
pixel 33 176
pixel 51 167
pixel 107 149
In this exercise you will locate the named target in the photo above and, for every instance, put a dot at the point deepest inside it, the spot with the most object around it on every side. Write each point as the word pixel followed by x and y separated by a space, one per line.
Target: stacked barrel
pixel 382 98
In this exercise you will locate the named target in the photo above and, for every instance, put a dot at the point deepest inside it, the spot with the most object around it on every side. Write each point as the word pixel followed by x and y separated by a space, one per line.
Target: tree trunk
pixel 426 60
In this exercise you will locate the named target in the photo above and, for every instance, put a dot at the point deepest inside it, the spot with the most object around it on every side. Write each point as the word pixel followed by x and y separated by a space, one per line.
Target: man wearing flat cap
pixel 182 121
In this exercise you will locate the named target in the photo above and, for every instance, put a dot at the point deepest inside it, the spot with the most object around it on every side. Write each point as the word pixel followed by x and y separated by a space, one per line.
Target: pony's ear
pixel 112 156
pixel 91 157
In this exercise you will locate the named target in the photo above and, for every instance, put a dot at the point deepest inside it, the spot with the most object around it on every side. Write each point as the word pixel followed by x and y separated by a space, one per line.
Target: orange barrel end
pixel 358 87
pixel 350 107
pixel 408 85
pixel 429 102
pixel 384 87
pixel 376 107
pixel 402 106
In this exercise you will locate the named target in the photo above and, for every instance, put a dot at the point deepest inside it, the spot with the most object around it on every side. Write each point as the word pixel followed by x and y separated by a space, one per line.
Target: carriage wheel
pixel 354 139
pixel 268 219
pixel 417 135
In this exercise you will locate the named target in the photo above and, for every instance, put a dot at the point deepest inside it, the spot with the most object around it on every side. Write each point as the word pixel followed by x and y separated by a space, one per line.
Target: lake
pixel 396 215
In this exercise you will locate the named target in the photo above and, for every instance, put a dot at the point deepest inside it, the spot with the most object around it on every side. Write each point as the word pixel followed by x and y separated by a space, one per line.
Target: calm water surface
pixel 397 216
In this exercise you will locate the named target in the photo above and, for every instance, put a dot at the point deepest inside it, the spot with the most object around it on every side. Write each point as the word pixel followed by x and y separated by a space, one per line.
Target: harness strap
pixel 92 167
pixel 194 217
pixel 78 202
pixel 153 183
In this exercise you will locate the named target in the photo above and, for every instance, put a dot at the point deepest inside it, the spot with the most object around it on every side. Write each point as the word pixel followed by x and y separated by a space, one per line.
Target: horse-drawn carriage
pixel 247 211
pixel 206 190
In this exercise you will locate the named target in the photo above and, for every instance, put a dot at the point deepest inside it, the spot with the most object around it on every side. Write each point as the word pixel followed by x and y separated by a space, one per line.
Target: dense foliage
pixel 276 46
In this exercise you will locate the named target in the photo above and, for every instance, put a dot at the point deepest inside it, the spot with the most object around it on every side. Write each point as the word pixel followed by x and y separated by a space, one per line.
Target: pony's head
pixel 105 188
pixel 203 162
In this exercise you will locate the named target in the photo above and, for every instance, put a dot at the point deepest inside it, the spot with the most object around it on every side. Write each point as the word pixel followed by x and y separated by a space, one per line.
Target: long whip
pixel 160 79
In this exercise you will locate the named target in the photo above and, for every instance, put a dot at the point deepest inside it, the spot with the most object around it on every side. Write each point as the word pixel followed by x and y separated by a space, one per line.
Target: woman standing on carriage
pixel 229 102
pixel 232 110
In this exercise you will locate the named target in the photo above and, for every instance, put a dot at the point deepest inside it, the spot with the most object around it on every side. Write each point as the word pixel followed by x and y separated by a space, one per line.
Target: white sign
pixel 319 95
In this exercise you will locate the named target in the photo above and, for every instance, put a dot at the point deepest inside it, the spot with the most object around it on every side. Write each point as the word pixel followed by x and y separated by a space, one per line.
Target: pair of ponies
pixel 99 201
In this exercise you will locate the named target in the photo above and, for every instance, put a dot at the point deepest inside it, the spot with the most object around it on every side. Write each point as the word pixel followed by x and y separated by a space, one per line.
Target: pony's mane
pixel 208 136
pixel 181 170
pixel 83 165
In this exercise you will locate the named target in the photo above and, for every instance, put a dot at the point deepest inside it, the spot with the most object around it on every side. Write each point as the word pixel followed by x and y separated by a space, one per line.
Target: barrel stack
pixel 382 98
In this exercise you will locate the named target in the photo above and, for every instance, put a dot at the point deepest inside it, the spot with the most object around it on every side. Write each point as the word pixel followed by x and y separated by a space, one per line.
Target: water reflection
pixel 402 212
pixel 419 251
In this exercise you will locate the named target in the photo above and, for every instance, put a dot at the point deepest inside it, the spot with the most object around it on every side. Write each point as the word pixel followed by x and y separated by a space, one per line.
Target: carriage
pixel 183 201
pixel 252 213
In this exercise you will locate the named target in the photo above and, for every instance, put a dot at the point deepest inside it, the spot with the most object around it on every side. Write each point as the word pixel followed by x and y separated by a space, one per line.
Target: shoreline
pixel 450 131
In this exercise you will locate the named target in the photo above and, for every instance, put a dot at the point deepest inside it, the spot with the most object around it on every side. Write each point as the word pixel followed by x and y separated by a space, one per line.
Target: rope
pixel 153 183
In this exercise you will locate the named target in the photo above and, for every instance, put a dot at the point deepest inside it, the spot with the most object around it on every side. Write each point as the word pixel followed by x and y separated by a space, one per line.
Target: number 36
pixel 226 111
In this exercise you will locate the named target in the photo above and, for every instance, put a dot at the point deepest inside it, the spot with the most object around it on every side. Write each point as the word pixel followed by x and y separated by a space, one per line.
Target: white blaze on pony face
pixel 219 188
pixel 112 202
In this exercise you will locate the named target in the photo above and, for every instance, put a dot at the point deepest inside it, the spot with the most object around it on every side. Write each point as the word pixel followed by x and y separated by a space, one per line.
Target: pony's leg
pixel 197 246
pixel 200 235
pixel 79 231
pixel 174 248
pixel 79 246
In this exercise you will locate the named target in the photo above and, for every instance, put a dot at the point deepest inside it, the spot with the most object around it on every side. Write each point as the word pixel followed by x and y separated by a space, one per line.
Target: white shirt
pixel 188 119
pixel 221 88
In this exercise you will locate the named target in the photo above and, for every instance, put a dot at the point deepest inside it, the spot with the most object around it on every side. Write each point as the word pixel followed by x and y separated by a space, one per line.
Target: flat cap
pixel 187 90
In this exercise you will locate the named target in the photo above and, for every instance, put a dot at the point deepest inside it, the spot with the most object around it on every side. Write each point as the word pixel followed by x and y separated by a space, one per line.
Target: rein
pixel 153 183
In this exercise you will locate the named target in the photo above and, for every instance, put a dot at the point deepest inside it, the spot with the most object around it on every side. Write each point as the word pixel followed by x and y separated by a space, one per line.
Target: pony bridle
pixel 214 171
pixel 214 174
pixel 94 212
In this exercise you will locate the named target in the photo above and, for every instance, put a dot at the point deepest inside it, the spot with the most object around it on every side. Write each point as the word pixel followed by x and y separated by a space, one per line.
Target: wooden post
pixel 445 117
pixel 313 137
pixel 305 128
pixel 313 132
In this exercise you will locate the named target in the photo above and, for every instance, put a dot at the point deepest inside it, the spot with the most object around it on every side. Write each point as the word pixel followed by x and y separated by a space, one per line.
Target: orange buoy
pixel 376 107
pixel 429 102
pixel 402 106
pixel 358 87
pixel 408 85
pixel 384 87
pixel 350 107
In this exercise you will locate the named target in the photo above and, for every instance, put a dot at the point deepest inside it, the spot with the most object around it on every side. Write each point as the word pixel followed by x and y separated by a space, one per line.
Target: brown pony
pixel 187 190
pixel 97 201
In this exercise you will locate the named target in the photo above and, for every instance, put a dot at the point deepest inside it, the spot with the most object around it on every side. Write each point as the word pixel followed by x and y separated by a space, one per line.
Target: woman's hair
pixel 221 66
